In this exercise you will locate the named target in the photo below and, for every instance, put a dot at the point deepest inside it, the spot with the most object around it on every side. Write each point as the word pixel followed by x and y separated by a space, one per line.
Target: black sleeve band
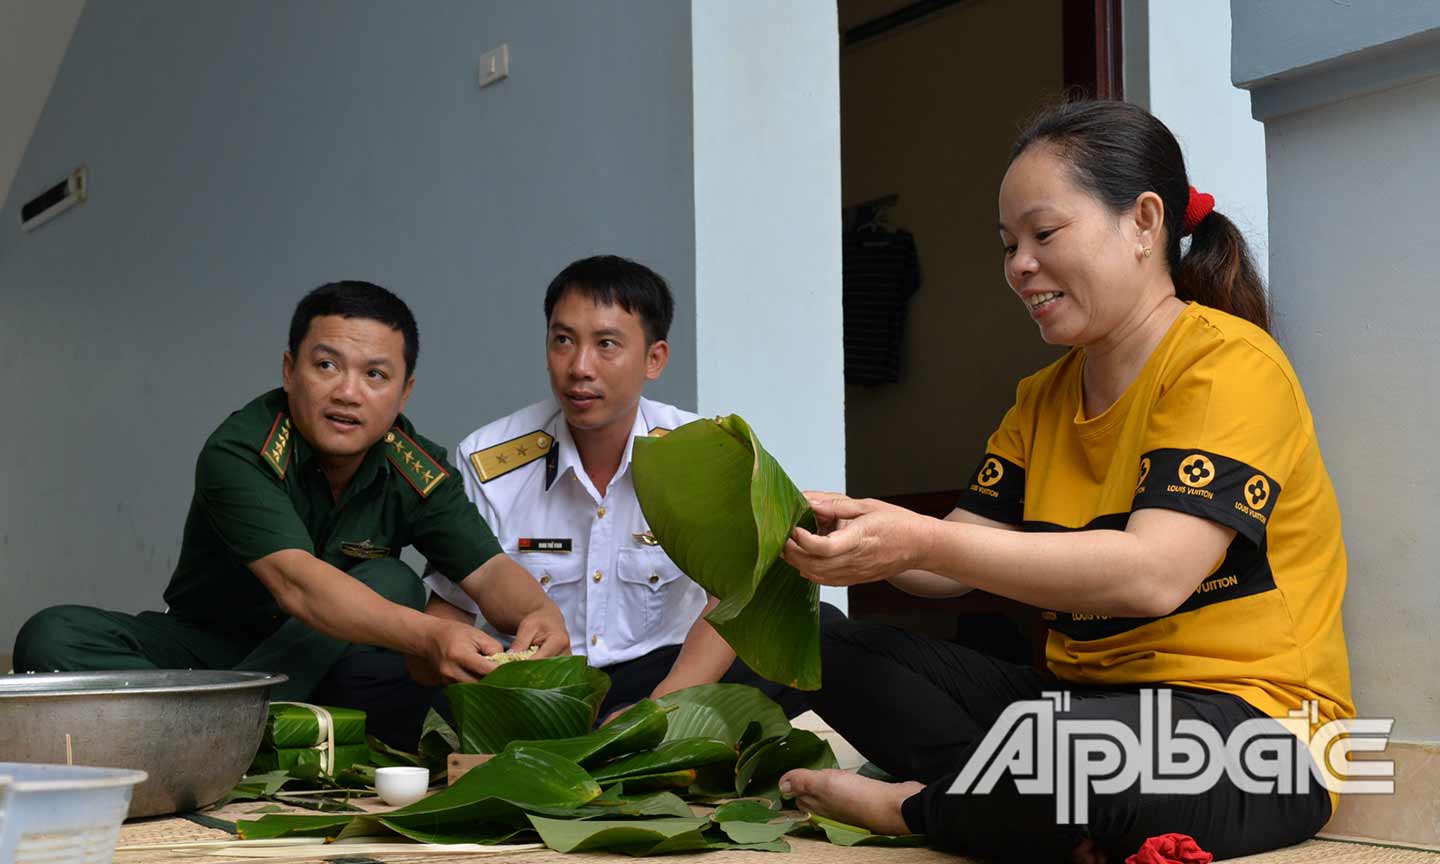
pixel 1210 486
pixel 996 491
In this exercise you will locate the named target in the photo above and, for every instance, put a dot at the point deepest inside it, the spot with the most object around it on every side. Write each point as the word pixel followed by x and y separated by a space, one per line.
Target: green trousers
pixel 84 639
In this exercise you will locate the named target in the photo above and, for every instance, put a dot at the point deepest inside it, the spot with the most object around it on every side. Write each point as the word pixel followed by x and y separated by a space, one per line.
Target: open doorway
pixel 932 94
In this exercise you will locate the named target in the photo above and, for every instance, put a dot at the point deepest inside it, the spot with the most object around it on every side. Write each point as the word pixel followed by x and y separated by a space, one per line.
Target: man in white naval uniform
pixel 553 483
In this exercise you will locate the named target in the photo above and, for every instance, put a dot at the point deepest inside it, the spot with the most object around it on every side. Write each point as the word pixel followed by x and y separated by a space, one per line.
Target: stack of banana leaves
pixel 308 741
pixel 721 507
pixel 626 786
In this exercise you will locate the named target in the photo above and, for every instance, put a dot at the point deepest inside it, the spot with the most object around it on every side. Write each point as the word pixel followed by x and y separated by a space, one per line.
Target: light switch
pixel 494 65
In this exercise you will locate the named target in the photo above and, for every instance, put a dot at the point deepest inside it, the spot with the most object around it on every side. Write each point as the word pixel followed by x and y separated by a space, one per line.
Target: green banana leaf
pixel 680 778
pixel 640 728
pixel 636 838
pixel 437 740
pixel 722 509
pixel 652 837
pixel 666 758
pixel 759 768
pixel 554 698
pixel 722 712
pixel 487 805
pixel 622 806
pixel 745 810
pixel 848 835
pixel 744 832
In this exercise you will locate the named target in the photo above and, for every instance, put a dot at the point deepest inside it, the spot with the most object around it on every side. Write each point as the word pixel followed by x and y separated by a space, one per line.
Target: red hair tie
pixel 1201 205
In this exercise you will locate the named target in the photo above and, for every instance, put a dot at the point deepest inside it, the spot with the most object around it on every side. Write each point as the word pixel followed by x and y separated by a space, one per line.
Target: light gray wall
pixel 33 36
pixel 1277 38
pixel 1350 284
pixel 767 228
pixel 1353 272
pixel 1298 54
pixel 243 153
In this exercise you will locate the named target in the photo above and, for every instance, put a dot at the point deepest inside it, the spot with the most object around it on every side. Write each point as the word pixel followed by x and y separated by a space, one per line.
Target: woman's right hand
pixel 857 541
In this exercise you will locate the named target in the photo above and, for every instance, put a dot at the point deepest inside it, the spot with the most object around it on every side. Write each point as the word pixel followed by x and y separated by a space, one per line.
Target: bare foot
pixel 850 798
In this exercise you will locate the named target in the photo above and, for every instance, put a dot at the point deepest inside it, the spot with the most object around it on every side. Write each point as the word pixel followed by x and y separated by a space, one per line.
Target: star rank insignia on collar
pixel 660 432
pixel 276 449
pixel 413 463
pixel 505 457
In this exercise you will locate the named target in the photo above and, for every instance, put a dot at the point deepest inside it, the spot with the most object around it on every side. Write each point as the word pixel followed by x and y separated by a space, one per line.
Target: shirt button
pixel 654 577
pixel 597 576
pixel 545 579
pixel 600 514
pixel 594 640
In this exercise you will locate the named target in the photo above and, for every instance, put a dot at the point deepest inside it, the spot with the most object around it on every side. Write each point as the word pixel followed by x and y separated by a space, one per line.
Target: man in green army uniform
pixel 303 501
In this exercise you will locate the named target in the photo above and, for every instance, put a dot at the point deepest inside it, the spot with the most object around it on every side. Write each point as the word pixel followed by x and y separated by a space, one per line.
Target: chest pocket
pixel 650 587
pixel 561 575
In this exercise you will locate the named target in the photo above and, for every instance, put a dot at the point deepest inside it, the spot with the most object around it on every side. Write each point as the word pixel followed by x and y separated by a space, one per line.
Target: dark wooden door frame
pixel 1092 41
pixel 1093 47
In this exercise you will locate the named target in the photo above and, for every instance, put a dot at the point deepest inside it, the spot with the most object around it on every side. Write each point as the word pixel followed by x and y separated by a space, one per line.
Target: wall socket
pixel 494 65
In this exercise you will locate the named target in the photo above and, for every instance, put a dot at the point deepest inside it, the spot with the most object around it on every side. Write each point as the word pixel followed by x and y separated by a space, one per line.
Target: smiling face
pixel 347 383
pixel 599 361
pixel 1074 263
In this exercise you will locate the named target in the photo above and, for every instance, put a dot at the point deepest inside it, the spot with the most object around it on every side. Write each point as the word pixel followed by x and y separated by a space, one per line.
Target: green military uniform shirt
pixel 259 489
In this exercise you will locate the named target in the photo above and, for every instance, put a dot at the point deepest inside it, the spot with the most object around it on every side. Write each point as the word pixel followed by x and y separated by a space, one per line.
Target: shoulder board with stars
pixel 660 432
pixel 413 463
pixel 276 449
pixel 505 457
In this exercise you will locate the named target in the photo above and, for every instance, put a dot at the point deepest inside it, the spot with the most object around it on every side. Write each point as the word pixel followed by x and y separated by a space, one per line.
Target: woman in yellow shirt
pixel 1158 492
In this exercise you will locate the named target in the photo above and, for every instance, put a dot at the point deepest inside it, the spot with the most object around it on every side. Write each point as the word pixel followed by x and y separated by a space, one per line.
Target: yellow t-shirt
pixel 1215 426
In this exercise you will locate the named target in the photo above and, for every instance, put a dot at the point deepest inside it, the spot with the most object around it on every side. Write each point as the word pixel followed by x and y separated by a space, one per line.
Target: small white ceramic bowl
pixel 402 785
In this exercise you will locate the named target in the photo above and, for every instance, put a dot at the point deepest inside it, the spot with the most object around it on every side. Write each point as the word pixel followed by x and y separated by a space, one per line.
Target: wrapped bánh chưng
pixel 294 724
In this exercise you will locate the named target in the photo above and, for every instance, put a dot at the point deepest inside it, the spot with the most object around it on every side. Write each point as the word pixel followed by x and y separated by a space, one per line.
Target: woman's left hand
pixel 872 541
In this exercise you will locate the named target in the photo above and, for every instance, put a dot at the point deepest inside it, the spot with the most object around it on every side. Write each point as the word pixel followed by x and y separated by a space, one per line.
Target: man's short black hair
pixel 355 299
pixel 610 280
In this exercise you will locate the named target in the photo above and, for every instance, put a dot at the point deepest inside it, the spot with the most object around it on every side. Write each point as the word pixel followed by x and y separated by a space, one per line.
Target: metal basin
pixel 194 732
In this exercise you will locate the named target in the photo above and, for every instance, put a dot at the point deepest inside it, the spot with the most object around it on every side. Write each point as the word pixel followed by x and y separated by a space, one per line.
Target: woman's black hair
pixel 1118 152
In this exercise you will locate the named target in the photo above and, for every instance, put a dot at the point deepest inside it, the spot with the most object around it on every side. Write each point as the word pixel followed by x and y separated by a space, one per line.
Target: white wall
pixel 1191 91
pixel 33 37
pixel 767 229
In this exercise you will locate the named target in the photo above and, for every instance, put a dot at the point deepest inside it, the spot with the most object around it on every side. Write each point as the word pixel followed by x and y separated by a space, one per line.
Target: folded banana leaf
pixel 641 727
pixel 669 757
pixel 722 712
pixel 848 835
pixel 307 762
pixel 487 805
pixel 760 766
pixel 722 508
pixel 557 697
pixel 650 837
pixel 293 725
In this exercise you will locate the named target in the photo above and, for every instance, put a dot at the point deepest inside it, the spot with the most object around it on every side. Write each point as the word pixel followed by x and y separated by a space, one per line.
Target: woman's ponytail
pixel 1218 271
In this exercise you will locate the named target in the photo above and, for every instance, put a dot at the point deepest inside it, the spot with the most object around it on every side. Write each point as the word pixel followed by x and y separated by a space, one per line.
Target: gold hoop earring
pixel 1147 251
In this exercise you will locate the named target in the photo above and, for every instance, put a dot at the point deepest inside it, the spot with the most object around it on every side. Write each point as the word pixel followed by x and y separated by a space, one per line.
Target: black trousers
pixel 375 680
pixel 919 708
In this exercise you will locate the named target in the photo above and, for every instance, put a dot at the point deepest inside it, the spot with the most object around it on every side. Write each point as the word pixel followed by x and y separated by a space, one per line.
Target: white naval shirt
pixel 621 598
